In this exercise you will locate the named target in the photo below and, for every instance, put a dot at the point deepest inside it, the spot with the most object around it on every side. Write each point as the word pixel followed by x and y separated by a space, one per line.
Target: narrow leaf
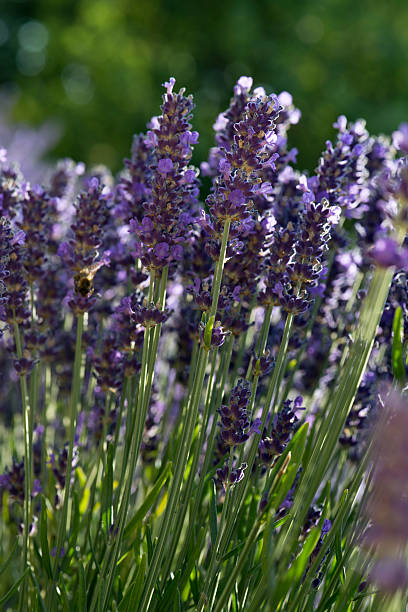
pixel 398 366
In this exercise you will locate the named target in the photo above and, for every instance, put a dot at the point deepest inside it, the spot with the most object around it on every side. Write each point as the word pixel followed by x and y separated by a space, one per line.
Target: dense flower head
pixel 281 252
pixel 80 252
pixel 11 188
pixel 283 427
pixel 13 285
pixel 312 238
pixel 91 214
pixel 38 210
pixel 238 181
pixel 133 188
pixel 276 144
pixel 342 169
pixel 244 267
pixel 170 190
pixel 235 424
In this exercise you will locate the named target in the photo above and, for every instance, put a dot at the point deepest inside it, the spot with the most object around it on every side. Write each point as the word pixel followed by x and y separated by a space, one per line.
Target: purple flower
pixel 13 284
pixel 400 138
pixel 165 165
pixel 235 426
pixel 233 477
pixel 172 185
pixel 386 252
pixel 284 425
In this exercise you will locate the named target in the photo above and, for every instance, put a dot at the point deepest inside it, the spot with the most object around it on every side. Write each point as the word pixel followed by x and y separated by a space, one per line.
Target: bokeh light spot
pixel 77 83
pixel 310 29
pixel 33 36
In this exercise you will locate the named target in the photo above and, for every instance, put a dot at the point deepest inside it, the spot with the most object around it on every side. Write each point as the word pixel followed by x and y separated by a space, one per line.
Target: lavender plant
pixel 196 405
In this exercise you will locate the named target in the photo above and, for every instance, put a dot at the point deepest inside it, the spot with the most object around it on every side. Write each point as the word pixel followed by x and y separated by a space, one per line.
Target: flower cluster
pixel 80 252
pixel 170 193
pixel 237 184
pixel 283 427
pixel 235 424
pixel 13 285
pixel 201 324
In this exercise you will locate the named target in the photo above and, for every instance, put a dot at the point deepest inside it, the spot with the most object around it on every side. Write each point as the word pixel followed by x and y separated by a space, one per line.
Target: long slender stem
pixel 73 414
pixel 174 536
pixel 28 439
pixel 151 341
pixel 241 491
pixel 215 401
pixel 186 437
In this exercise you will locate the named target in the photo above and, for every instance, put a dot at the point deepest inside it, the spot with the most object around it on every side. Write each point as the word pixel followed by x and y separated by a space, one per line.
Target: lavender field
pixel 203 401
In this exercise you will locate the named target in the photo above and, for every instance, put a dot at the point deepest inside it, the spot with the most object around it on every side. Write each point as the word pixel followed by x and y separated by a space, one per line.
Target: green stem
pixel 215 294
pixel 243 557
pixel 28 439
pixel 170 515
pixel 215 402
pixel 174 536
pixel 241 492
pixel 73 414
pixel 151 341
pixel 214 556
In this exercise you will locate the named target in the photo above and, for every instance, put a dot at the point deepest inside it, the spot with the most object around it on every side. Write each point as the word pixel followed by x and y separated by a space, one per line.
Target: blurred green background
pixel 97 65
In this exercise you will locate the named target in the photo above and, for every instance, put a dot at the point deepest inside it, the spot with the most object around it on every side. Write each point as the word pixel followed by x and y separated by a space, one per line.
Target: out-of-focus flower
pixel 386 253
pixel 400 138
pixel 387 508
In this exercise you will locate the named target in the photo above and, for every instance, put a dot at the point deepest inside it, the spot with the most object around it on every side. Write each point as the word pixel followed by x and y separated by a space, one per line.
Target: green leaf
pixel 40 601
pixel 133 593
pixel 9 559
pixel 45 551
pixel 14 588
pixel 398 366
pixel 297 569
pixel 107 492
pixel 208 332
pixel 213 512
pixel 82 607
pixel 150 499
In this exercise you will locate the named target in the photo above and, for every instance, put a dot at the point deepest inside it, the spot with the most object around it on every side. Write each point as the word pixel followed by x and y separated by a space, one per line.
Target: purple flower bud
pixel 162 250
pixel 165 165
pixel 400 138
pixel 169 85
